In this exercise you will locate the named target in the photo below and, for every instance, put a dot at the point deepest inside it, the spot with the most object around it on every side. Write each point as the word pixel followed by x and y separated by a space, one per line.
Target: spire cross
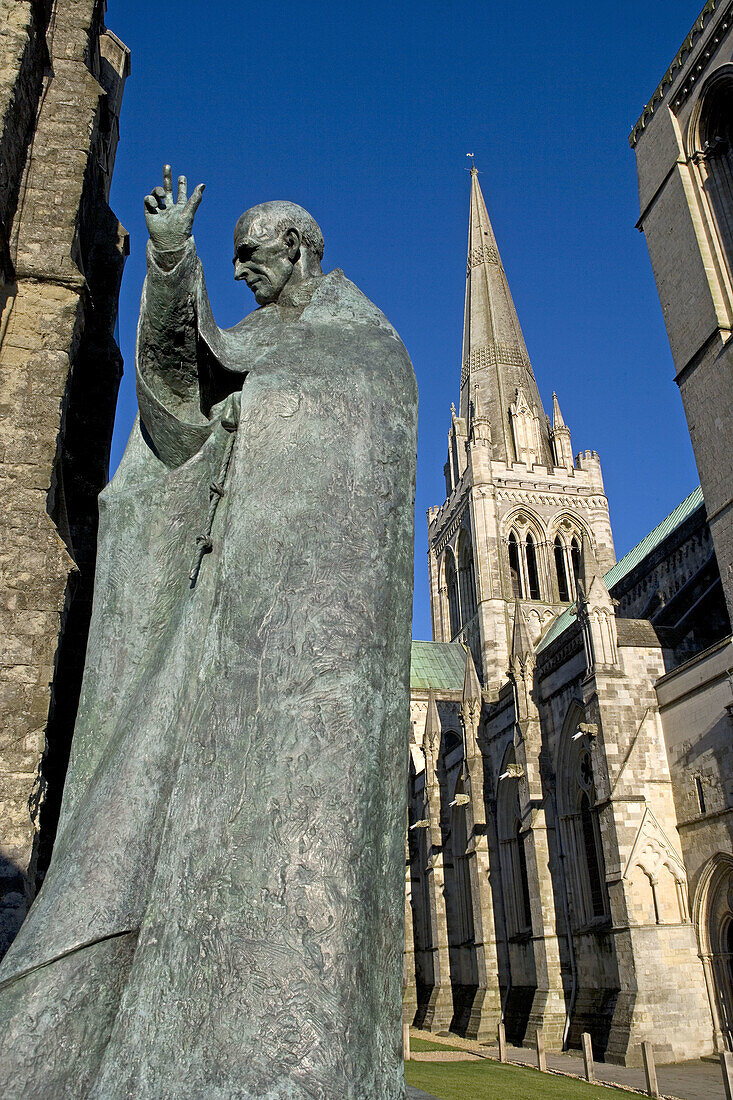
pixel 473 163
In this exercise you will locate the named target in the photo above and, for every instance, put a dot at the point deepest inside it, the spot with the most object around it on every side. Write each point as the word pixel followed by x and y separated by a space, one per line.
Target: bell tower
pixel 508 538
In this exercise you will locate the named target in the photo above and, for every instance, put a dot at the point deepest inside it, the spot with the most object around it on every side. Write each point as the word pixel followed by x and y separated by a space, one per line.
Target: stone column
pixel 487 1005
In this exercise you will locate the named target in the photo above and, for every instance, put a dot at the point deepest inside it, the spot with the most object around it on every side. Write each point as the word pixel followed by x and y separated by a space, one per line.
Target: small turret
pixel 562 448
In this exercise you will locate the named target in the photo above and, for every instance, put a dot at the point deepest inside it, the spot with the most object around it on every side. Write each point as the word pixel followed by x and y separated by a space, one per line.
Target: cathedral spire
pixel 495 365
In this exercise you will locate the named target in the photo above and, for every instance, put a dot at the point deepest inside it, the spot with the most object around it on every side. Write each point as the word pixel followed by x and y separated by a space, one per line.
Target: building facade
pixel 62 252
pixel 684 157
pixel 547 882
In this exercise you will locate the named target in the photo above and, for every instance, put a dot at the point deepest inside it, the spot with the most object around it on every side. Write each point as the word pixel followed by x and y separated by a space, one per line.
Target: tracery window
pixel 524 566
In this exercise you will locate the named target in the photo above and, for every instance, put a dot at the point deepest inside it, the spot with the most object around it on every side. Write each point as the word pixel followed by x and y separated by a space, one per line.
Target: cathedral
pixel 569 851
pixel 546 877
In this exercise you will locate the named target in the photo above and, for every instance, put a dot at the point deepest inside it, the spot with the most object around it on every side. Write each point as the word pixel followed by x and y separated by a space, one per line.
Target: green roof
pixel 437 665
pixel 629 561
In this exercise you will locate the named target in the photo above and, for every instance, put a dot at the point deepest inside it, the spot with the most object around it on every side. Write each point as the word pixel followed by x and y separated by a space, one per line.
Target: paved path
pixel 698 1080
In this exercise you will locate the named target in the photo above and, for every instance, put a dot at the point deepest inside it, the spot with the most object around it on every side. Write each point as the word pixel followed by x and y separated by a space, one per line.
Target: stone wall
pixel 678 142
pixel 62 253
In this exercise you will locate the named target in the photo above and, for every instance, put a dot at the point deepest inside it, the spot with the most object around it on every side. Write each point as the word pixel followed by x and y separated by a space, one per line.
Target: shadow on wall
pixel 14 901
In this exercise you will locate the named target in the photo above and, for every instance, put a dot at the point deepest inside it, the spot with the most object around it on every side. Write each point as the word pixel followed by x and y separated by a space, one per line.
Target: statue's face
pixel 264 257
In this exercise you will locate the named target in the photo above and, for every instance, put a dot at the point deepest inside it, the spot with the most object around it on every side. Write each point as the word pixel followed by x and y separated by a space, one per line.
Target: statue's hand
pixel 170 221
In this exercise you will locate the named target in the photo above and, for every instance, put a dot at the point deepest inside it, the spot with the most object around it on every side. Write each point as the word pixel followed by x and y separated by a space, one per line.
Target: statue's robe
pixel 222 916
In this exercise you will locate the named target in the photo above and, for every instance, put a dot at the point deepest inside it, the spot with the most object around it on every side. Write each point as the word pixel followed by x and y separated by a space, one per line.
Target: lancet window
pixel 513 857
pixel 524 566
pixel 466 579
pixel 580 831
pixel 533 577
pixel 590 869
pixel 566 552
pixel 451 585
pixel 462 871
pixel 515 570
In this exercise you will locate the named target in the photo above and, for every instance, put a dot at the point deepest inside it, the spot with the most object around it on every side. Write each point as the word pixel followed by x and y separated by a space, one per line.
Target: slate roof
pixel 629 561
pixel 437 665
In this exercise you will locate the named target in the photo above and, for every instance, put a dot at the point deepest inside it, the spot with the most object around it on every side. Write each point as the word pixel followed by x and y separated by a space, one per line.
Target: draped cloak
pixel 222 916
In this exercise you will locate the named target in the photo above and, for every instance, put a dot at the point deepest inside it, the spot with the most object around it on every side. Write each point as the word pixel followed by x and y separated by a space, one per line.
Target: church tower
pixel 518 507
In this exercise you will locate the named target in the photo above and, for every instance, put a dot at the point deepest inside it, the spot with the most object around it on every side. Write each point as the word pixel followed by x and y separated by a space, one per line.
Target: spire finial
pixel 473 163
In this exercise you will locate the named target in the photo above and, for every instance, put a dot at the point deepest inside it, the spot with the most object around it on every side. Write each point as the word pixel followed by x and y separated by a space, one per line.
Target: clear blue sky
pixel 363 113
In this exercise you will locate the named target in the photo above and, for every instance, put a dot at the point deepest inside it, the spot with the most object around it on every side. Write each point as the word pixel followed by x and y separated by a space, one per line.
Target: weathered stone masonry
pixel 62 252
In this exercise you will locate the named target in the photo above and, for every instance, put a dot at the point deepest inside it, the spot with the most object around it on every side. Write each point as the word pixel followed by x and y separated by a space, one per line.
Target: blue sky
pixel 363 113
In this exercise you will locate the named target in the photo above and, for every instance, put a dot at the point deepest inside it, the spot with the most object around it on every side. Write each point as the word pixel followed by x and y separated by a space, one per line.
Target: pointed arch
pixel 712 152
pixel 526 542
pixel 566 534
pixel 515 568
pixel 712 915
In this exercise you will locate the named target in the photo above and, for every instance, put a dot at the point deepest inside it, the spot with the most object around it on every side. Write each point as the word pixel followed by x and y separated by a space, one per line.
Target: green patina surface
pixel 437 665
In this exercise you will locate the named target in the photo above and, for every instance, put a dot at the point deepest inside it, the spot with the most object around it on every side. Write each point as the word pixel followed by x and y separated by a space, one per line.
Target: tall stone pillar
pixel 548 1004
pixel 61 253
pixel 486 1012
pixel 436 1003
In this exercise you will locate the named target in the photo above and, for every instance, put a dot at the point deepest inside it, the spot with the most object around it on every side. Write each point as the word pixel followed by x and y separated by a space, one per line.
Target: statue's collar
pixel 293 301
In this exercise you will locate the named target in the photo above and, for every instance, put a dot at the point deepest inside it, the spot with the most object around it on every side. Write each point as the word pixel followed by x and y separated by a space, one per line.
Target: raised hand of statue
pixel 170 220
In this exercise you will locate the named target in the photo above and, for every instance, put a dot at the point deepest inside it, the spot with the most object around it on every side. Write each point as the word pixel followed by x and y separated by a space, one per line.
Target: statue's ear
pixel 291 237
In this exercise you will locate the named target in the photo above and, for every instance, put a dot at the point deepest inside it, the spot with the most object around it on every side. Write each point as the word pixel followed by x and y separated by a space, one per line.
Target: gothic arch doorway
pixel 714 923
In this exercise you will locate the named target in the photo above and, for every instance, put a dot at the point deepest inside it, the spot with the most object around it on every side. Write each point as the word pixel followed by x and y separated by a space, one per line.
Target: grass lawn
pixel 489 1080
pixel 426 1044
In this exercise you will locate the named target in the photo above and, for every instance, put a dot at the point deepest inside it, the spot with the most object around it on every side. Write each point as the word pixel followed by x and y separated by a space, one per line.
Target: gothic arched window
pixel 588 845
pixel 575 556
pixel 562 576
pixel 580 828
pixel 514 567
pixel 533 579
pixel 466 579
pixel 451 584
pixel 526 908
pixel 716 140
pixel 592 858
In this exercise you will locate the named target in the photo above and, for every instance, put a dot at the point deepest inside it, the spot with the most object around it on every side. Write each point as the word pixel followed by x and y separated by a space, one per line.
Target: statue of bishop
pixel 222 916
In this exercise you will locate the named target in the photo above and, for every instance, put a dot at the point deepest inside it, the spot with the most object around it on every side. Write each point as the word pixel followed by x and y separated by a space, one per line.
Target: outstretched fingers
pixel 151 204
pixel 195 201
pixel 182 189
pixel 168 182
